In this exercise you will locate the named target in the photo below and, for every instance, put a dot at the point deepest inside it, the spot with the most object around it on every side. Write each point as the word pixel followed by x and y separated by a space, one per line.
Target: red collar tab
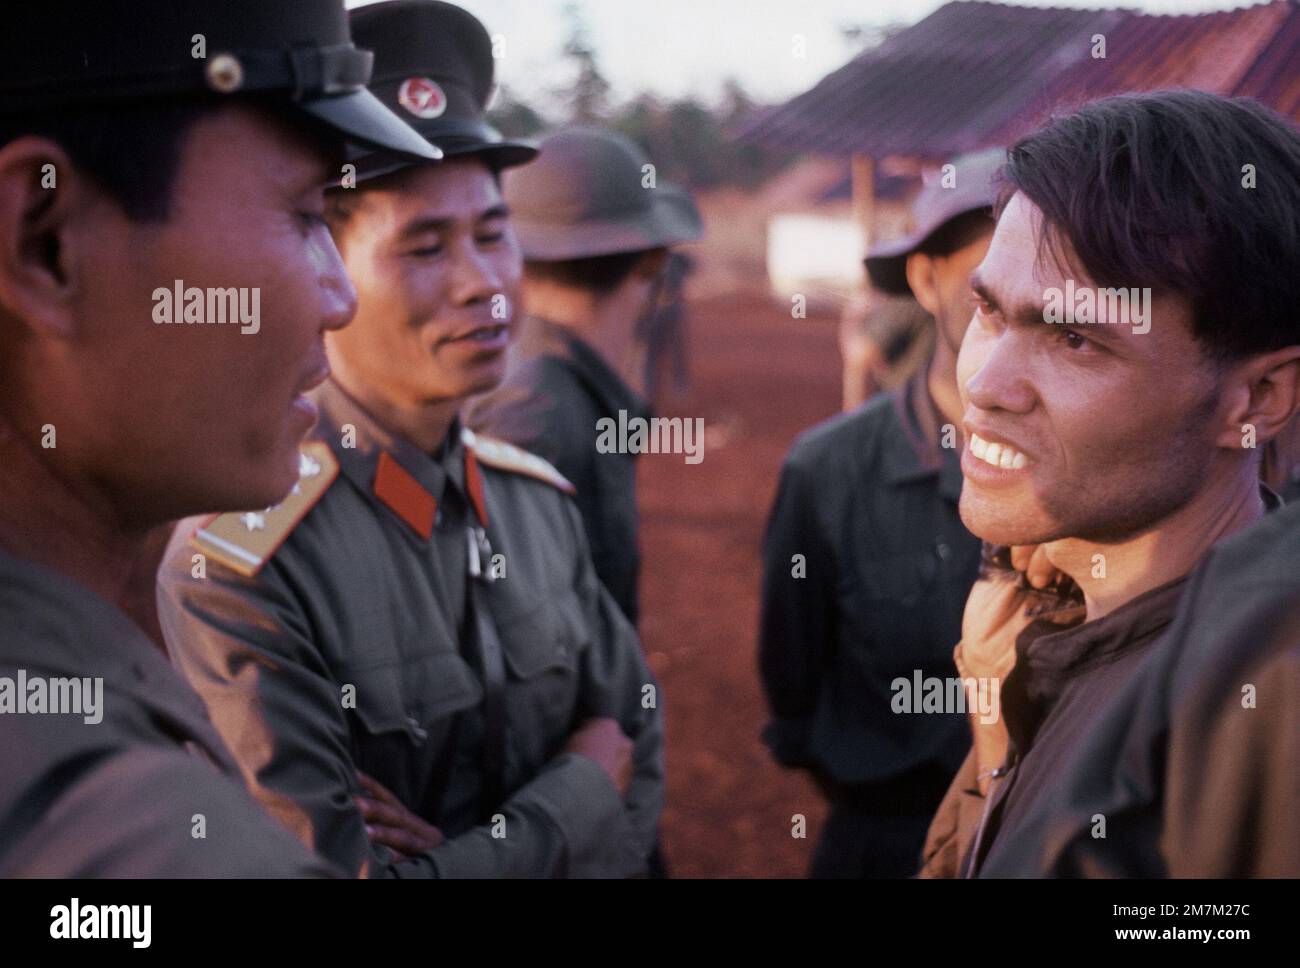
pixel 405 496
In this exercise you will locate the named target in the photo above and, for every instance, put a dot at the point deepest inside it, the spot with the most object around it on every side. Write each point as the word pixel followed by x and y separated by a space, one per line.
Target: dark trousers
pixel 856 843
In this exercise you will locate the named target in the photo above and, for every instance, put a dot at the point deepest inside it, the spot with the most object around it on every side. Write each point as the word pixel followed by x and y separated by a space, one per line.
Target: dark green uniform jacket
pixel 147 790
pixel 1193 762
pixel 555 391
pixel 361 595
pixel 867 506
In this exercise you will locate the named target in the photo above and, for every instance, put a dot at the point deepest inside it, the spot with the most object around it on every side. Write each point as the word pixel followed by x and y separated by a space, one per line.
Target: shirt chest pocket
pixel 543 642
pixel 898 615
pixel 415 699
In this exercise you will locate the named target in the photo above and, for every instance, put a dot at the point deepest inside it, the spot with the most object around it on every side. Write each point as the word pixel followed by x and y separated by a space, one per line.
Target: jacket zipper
pixel 969 867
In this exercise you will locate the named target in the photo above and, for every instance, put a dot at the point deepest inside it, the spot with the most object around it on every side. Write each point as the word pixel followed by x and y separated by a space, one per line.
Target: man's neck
pixel 70 527
pixel 425 425
pixel 1111 574
pixel 941 381
pixel 605 324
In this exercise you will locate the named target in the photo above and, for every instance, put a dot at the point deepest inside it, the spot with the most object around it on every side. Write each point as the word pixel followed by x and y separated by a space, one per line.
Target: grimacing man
pixel 1124 441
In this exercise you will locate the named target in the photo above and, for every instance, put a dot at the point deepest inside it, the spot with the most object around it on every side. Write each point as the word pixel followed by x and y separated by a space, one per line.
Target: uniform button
pixel 420 732
pixel 943 551
pixel 437 517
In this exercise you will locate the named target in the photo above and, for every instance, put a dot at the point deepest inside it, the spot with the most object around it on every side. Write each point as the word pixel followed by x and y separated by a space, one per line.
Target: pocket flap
pixel 407 696
pixel 543 637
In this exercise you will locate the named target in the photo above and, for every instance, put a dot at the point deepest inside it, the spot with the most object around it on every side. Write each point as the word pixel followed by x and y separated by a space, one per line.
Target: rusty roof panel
pixel 973 73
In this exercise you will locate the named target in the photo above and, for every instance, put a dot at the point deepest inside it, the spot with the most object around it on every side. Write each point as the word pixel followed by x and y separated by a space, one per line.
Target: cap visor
pixel 364 121
pixel 497 155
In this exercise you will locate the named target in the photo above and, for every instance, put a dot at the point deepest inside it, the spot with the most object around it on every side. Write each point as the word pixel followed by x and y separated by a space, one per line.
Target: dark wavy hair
pixel 1149 190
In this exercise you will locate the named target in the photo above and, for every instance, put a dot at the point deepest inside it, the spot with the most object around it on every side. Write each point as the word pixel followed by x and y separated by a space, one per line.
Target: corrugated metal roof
pixel 973 73
pixel 1274 78
pixel 1231 52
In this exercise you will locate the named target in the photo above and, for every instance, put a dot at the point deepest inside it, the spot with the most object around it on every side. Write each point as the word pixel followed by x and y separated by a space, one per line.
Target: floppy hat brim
pixel 672 218
pixel 887 264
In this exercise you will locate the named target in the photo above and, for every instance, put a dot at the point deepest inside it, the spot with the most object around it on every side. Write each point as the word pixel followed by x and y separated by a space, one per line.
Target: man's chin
pixel 1002 522
pixel 485 379
pixel 268 483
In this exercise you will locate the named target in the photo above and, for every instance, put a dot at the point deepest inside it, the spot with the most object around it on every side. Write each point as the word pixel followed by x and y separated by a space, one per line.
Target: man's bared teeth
pixel 998 455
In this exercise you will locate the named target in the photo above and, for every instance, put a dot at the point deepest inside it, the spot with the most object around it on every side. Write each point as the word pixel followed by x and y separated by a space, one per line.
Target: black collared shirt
pixel 556 390
pixel 867 567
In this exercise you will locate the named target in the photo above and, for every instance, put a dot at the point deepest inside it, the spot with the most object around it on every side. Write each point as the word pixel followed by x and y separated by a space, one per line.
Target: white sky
pixel 679 47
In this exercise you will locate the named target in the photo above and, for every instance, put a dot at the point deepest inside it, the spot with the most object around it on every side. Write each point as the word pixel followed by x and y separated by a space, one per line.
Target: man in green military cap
pixel 418 670
pixel 143 146
pixel 595 226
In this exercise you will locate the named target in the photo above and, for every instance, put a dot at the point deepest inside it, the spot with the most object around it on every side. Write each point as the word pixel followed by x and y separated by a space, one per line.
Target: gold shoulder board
pixel 244 541
pixel 508 457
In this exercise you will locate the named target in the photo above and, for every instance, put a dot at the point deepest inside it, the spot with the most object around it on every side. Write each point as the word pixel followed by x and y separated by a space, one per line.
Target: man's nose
pixel 1000 380
pixel 475 277
pixel 339 295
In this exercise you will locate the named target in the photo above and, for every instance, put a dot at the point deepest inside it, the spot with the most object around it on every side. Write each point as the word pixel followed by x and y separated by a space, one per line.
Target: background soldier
pixel 869 501
pixel 129 161
pixel 432 617
pixel 595 241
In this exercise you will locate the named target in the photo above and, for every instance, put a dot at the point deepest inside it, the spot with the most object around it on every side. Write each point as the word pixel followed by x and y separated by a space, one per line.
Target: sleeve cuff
pixel 581 799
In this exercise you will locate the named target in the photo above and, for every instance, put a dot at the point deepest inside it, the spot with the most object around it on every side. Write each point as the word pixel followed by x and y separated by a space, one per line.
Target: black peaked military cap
pixel 433 68
pixel 58 54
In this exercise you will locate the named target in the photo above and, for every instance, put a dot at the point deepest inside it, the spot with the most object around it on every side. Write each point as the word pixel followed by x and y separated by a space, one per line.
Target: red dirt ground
pixel 759 378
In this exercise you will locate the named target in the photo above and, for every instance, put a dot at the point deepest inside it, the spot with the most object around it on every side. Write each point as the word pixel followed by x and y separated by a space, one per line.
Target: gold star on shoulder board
pixel 244 541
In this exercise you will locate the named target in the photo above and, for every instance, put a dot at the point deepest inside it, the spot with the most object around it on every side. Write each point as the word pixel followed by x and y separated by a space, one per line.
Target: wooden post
pixel 862 178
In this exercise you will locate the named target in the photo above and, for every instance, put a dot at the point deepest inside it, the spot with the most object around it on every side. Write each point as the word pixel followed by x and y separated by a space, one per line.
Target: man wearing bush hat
pixel 595 226
pixel 867 502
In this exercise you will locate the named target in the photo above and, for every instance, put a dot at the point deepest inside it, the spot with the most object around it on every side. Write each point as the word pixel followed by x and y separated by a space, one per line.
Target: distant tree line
pixel 689 141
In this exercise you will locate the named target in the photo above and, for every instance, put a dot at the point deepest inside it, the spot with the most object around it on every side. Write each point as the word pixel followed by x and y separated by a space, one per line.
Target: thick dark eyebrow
pixel 1024 315
pixel 1033 315
pixel 435 223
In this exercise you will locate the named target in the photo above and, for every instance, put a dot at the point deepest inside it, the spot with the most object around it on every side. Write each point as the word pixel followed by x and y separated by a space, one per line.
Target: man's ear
pixel 40 193
pixel 924 281
pixel 1266 396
